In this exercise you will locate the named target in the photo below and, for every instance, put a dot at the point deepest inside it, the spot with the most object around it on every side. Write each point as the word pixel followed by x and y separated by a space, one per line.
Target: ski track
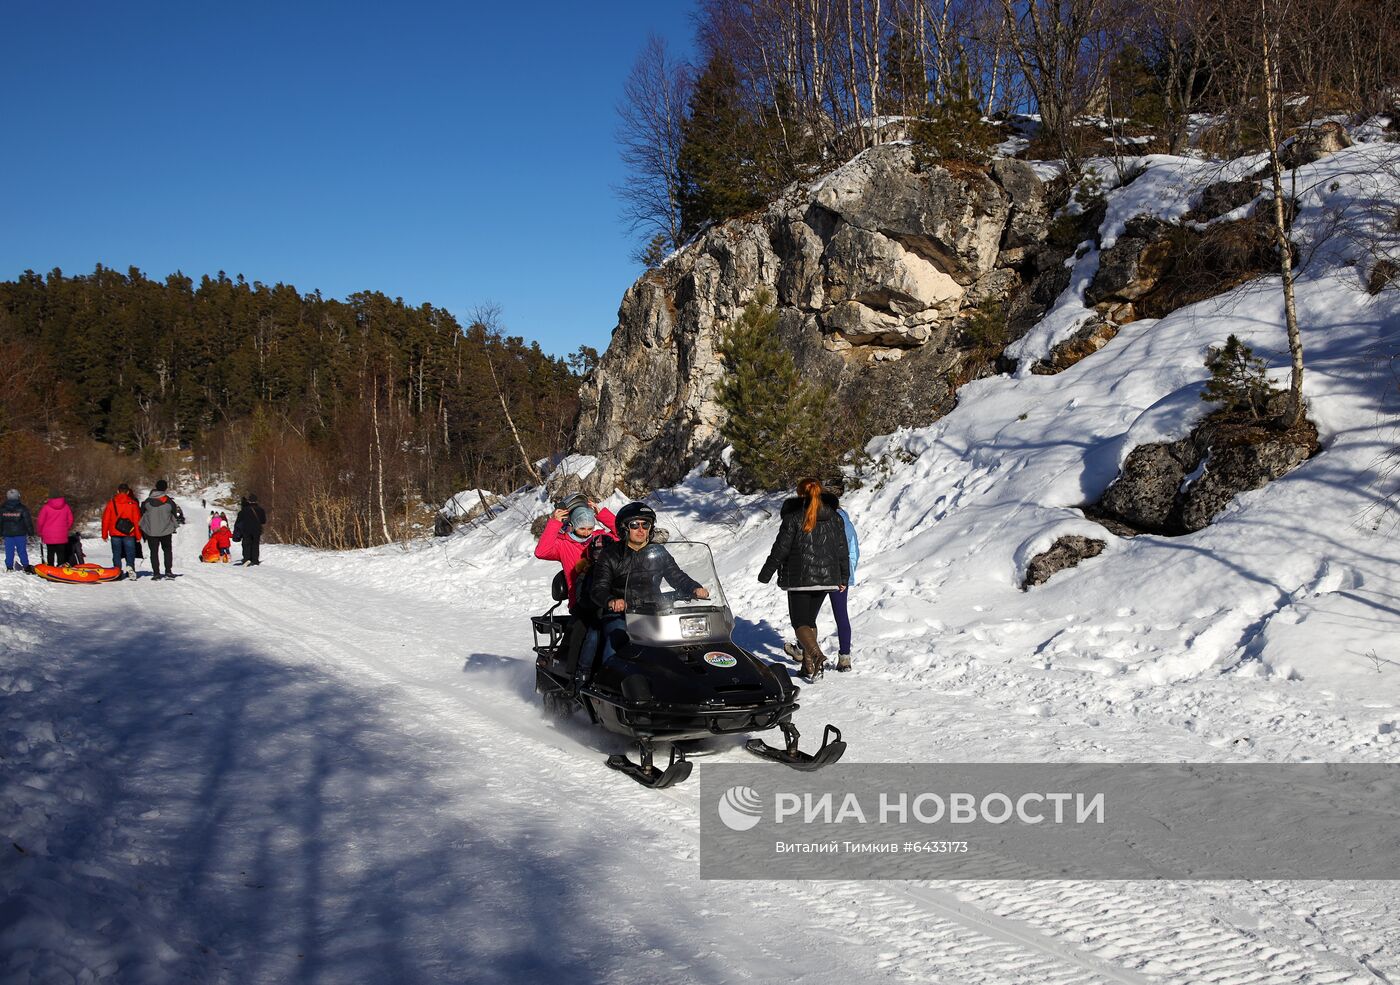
pixel 425 661
pixel 972 932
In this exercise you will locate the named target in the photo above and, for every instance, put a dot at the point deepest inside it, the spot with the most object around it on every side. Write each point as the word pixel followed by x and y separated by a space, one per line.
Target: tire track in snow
pixel 892 916
pixel 943 905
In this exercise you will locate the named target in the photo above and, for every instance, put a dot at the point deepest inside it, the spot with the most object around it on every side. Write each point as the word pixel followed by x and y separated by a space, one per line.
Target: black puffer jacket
pixel 809 560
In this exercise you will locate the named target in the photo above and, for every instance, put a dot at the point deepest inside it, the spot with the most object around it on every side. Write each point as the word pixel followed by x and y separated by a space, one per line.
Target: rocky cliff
pixel 877 270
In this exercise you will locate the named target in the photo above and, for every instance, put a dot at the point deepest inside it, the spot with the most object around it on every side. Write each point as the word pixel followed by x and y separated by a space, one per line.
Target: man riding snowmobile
pixel 636 524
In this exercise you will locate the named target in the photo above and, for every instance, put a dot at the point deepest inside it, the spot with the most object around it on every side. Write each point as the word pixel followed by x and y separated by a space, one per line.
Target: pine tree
pixel 906 85
pixel 952 129
pixel 1238 381
pixel 723 167
pixel 777 422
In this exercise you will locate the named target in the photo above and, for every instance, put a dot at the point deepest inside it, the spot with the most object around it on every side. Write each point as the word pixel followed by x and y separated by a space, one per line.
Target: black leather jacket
pixel 609 574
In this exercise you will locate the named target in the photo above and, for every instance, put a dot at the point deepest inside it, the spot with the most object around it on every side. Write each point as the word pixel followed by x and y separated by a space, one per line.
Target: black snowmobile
pixel 680 675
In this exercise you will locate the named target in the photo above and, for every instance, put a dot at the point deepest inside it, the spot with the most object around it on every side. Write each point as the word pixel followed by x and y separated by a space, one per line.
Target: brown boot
pixel 813 660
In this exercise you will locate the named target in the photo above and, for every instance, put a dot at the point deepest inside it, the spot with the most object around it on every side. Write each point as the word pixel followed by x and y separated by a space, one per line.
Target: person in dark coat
pixel 607 588
pixel 16 526
pixel 248 528
pixel 810 558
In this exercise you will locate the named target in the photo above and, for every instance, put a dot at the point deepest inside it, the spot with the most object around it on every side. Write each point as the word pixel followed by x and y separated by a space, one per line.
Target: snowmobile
pixel 679 676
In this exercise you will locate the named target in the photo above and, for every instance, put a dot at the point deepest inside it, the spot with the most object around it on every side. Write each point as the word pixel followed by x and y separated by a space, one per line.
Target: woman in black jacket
pixel 811 558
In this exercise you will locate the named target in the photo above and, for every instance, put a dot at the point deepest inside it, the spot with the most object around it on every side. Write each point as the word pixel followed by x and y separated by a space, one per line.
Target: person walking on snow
pixel 121 524
pixel 840 600
pixel 248 528
pixel 160 517
pixel 53 523
pixel 16 526
pixel 811 560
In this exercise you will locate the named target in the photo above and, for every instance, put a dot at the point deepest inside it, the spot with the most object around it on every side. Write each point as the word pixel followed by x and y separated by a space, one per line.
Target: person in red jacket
pixel 216 548
pixel 54 523
pixel 567 534
pixel 121 524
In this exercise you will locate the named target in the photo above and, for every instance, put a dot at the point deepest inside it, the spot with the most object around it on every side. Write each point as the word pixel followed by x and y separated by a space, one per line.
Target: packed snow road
pixel 332 768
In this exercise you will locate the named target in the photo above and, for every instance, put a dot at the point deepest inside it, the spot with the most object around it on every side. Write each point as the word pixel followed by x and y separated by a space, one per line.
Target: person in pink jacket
pixel 53 523
pixel 567 534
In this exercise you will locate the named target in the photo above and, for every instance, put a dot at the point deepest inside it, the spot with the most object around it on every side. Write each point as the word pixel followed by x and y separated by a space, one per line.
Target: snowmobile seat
pixel 559 588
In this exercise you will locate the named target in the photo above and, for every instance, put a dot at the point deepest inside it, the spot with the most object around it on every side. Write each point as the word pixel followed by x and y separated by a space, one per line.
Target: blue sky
pixel 451 153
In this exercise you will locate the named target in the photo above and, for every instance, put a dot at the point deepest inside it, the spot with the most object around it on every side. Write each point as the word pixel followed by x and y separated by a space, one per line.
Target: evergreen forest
pixel 346 416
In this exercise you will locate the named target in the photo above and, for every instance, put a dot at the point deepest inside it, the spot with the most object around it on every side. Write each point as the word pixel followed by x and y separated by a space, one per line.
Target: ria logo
pixel 740 808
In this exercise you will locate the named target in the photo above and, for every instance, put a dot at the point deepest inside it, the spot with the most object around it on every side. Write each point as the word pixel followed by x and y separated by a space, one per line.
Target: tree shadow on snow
pixel 272 825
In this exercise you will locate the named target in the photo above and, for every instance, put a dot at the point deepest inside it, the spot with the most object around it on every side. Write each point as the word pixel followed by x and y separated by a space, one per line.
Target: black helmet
pixel 570 501
pixel 634 511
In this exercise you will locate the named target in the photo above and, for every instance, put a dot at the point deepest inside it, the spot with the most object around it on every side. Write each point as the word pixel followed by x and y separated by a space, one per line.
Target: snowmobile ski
pixel 647 774
pixel 831 750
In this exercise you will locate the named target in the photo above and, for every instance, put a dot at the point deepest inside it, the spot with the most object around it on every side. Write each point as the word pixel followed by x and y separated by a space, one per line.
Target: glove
pixel 769 568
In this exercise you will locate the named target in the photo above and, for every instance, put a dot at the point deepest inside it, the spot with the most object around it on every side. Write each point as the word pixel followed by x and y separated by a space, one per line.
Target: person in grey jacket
pixel 160 517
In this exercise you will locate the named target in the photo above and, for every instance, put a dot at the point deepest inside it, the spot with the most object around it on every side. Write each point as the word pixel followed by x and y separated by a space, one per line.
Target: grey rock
pixel 1126 269
pixel 871 269
pixel 1179 487
pixel 1030 209
pixel 1231 471
pixel 1144 494
pixel 1066 552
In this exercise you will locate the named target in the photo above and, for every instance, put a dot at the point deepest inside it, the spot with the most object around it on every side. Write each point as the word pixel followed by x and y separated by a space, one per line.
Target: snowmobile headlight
pixel 694 627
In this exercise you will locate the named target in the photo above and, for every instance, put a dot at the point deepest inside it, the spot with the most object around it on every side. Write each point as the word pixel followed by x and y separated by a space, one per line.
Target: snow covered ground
pixel 332 768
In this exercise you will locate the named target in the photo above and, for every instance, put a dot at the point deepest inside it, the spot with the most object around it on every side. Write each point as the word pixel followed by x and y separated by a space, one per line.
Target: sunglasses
pixel 639 525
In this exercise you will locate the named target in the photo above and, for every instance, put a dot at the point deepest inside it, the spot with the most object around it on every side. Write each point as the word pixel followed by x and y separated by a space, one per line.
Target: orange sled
pixel 77 574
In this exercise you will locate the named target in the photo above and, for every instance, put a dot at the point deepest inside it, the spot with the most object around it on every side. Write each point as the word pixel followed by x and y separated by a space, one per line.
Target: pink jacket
pixel 54 521
pixel 556 545
pixel 216 524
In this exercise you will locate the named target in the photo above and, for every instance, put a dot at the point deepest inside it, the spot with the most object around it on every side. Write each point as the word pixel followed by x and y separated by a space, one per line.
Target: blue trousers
pixel 16 546
pixel 614 630
pixel 124 548
pixel 843 619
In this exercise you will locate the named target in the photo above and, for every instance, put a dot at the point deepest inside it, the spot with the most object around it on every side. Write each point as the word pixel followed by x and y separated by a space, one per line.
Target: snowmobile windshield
pixel 675 577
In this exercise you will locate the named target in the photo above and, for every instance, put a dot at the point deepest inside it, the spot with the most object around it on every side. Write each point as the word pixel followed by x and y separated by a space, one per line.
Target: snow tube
pixel 210 554
pixel 77 574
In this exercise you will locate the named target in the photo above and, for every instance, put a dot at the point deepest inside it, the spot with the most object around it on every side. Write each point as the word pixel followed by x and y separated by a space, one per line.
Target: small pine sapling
pixel 1238 381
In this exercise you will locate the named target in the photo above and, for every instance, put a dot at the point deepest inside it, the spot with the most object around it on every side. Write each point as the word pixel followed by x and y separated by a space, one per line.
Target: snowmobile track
pixel 921 931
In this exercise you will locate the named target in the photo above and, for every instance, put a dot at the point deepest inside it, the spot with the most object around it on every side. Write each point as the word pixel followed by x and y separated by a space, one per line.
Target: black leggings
pixel 56 555
pixel 804 606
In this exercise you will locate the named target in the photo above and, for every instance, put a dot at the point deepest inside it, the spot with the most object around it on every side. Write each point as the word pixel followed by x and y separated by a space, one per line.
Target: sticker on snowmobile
pixel 718 659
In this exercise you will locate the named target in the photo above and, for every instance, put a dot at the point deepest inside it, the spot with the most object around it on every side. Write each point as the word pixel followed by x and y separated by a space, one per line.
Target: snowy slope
pixel 332 768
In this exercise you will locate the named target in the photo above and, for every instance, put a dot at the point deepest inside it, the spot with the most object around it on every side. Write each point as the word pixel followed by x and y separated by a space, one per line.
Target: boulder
pixel 1179 487
pixel 1133 264
pixel 1313 143
pixel 1144 494
pixel 1066 552
pixel 1086 341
